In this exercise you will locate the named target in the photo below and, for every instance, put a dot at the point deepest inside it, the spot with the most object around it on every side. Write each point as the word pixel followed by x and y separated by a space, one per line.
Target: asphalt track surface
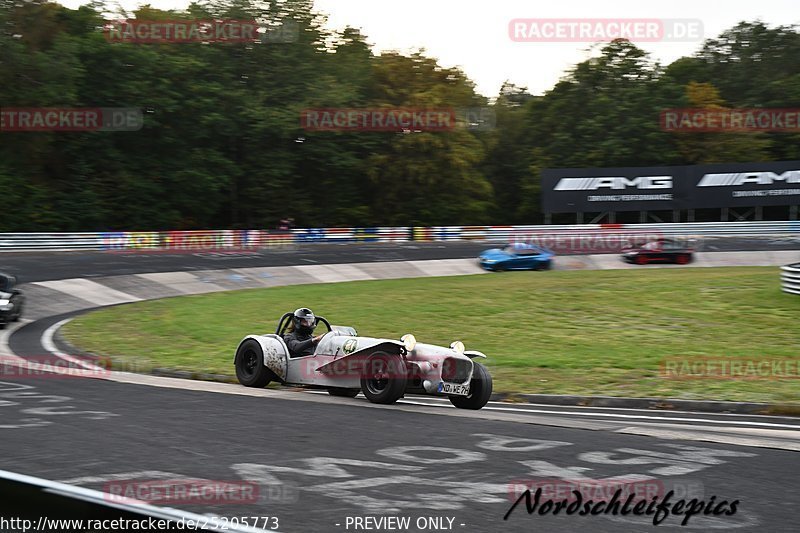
pixel 320 463
pixel 31 267
pixel 319 460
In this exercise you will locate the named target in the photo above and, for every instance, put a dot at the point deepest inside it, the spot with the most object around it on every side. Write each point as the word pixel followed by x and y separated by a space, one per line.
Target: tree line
pixel 222 144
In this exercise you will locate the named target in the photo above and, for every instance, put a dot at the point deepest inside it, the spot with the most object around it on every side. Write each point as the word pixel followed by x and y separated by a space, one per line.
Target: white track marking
pixel 334 273
pixel 689 432
pixel 635 409
pixel 91 291
pixel 184 282
pixel 49 345
pixel 619 415
pixel 123 476
pixel 8 358
pixel 528 407
pixel 5 350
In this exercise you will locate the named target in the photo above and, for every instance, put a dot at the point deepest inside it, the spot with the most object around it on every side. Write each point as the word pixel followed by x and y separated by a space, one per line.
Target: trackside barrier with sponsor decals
pixel 790 278
pixel 254 239
pixel 688 229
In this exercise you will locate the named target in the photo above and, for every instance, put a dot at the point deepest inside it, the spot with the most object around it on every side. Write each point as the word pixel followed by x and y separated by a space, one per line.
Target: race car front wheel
pixel 480 390
pixel 250 369
pixel 384 378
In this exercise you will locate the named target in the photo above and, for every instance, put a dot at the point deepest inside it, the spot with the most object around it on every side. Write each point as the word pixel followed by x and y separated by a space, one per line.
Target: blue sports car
pixel 517 256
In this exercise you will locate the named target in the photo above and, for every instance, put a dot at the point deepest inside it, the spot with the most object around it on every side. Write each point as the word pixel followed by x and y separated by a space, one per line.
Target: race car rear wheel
pixel 384 378
pixel 480 390
pixel 250 369
pixel 344 393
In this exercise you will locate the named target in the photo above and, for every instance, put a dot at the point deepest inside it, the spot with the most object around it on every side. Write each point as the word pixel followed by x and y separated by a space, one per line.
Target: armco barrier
pixel 20 242
pixel 236 239
pixel 36 504
pixel 790 278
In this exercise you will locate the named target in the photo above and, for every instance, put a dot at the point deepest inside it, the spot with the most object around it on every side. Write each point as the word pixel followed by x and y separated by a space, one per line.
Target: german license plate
pixel 454 388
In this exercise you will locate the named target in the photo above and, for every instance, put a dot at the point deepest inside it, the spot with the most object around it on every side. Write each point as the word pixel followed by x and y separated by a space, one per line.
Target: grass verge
pixel 567 332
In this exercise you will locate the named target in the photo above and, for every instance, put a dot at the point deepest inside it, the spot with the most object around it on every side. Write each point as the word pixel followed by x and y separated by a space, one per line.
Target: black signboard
pixel 575 190
pixel 744 184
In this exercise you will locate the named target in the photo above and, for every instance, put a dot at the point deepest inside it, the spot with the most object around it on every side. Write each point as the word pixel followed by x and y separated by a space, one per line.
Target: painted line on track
pixel 634 409
pixel 619 415
pixel 49 344
pixel 590 408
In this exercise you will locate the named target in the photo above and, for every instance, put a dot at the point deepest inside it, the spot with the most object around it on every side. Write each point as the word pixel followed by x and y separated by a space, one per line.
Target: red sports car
pixel 659 251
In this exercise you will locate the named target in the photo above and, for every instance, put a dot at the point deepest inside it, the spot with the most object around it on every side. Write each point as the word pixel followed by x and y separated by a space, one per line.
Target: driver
pixel 299 340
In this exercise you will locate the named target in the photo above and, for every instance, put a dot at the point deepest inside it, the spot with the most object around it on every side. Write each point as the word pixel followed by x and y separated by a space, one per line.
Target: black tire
pixel 250 369
pixel 343 393
pixel 19 314
pixel 384 378
pixel 480 390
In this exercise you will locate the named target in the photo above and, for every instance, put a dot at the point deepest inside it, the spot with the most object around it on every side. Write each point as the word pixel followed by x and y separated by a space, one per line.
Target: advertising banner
pixel 575 190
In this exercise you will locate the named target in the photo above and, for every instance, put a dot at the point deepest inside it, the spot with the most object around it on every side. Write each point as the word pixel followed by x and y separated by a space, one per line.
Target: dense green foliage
pixel 222 144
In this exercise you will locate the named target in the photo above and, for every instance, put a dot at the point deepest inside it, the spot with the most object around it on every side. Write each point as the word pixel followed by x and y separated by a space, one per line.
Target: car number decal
pixel 349 346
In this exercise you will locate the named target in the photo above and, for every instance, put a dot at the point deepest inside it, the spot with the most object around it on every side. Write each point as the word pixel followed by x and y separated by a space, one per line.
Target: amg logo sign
pixel 741 178
pixel 616 183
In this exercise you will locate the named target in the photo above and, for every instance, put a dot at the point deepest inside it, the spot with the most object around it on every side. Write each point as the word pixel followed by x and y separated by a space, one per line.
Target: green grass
pixel 569 332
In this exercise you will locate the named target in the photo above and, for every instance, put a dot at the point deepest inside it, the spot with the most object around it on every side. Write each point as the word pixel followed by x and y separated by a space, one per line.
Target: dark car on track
pixel 517 256
pixel 11 300
pixel 659 251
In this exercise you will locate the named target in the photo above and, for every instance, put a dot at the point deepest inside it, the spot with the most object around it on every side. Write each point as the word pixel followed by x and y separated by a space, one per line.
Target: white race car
pixel 383 369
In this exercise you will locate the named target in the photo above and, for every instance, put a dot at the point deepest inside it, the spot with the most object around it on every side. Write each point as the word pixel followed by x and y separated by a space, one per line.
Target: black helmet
pixel 304 321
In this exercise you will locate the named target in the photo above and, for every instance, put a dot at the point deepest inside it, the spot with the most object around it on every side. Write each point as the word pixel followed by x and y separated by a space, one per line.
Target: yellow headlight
pixel 409 341
pixel 458 346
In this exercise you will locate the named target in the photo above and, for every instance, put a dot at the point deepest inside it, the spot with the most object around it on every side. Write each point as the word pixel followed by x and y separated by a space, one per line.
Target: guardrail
pixel 37 504
pixel 790 278
pixel 249 239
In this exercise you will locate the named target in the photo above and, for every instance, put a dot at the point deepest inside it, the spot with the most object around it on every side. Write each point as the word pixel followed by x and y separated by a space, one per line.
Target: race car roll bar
pixel 283 323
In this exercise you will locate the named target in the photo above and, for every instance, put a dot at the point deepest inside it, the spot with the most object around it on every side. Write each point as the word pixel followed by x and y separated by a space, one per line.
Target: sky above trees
pixel 472 34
